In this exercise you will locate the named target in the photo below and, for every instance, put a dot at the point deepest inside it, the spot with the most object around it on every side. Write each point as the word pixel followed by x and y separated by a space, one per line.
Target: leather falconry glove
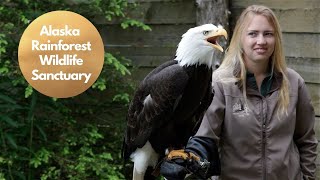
pixel 200 158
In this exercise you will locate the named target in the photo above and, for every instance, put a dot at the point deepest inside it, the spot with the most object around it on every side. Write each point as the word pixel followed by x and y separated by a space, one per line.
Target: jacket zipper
pixel 264 151
pixel 264 140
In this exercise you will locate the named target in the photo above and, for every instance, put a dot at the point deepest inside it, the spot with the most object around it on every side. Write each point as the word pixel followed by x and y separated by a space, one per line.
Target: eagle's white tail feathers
pixel 142 158
pixel 137 175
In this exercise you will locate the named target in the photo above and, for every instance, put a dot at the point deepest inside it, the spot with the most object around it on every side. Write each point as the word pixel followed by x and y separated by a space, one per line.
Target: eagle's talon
pixel 178 154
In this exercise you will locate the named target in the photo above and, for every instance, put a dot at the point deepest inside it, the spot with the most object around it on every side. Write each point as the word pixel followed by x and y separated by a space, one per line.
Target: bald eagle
pixel 168 104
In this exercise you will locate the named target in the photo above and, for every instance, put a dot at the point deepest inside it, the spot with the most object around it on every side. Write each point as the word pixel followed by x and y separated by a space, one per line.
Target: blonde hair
pixel 233 62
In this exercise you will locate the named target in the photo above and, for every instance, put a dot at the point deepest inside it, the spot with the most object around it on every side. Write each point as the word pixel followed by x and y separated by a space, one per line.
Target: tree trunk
pixel 214 12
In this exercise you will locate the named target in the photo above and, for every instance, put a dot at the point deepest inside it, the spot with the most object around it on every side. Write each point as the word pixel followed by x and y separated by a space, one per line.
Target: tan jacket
pixel 254 142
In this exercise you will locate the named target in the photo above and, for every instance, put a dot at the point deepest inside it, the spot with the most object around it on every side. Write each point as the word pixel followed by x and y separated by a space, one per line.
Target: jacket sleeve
pixel 207 150
pixel 206 141
pixel 211 123
pixel 304 135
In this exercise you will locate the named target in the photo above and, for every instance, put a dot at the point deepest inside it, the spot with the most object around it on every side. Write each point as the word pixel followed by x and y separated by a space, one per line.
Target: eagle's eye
pixel 205 33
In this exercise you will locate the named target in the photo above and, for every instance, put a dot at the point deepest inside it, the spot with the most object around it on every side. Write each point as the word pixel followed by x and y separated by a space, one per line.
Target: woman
pixel 261 117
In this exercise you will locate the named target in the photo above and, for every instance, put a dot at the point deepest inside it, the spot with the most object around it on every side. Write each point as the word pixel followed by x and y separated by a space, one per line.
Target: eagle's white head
pixel 198 45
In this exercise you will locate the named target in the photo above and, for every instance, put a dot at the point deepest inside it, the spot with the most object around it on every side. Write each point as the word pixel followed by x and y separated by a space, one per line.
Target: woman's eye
pixel 268 34
pixel 205 33
pixel 252 34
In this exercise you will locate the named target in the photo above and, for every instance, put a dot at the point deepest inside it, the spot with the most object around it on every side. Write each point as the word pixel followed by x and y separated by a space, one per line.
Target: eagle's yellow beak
pixel 213 38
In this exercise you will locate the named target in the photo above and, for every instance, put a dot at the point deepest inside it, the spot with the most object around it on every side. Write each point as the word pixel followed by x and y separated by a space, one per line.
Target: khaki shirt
pixel 257 143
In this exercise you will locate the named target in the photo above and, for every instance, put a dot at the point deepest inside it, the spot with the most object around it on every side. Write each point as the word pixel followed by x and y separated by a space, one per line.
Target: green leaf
pixel 106 156
pixel 11 140
pixel 66 150
pixel 11 106
pixel 100 84
pixel 35 162
pixel 7 99
pixel 41 156
pixel 134 23
pixel 32 106
pixel 28 91
pixel 10 121
pixel 26 2
pixel 41 131
pixel 3 70
pixel 122 97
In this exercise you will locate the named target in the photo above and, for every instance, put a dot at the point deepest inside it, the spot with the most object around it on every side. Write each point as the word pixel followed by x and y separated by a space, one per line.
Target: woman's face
pixel 258 40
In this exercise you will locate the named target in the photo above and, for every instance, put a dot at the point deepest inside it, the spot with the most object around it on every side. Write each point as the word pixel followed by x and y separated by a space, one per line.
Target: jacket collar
pixel 276 78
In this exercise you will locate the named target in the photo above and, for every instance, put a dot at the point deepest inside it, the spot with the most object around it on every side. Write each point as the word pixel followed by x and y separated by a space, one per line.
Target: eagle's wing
pixel 153 103
pixel 205 103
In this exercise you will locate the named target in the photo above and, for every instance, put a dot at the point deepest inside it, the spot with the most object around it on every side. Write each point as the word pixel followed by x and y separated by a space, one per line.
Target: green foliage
pixel 79 156
pixel 131 22
pixel 40 157
pixel 112 66
pixel 3 44
pixel 50 138
pixel 28 91
pixel 122 98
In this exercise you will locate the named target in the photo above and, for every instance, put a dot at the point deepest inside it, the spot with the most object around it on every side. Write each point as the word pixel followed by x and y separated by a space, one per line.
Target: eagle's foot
pixel 180 153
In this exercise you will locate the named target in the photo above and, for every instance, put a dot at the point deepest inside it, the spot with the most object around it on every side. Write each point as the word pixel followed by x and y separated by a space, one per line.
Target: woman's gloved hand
pixel 200 158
